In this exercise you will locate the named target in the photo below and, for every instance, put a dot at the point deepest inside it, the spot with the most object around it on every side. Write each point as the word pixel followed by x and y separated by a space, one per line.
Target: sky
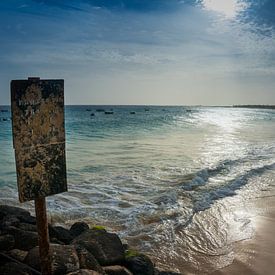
pixel 157 52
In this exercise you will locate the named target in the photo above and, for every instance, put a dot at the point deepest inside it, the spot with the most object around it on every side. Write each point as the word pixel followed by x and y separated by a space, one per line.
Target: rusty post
pixel 43 235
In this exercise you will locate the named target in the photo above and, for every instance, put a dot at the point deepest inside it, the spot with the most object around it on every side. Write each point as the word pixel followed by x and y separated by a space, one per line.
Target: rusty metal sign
pixel 39 137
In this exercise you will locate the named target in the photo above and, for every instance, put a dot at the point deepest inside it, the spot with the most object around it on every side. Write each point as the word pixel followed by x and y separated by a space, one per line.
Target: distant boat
pixel 92 114
pixel 132 113
pixel 109 113
pixel 100 110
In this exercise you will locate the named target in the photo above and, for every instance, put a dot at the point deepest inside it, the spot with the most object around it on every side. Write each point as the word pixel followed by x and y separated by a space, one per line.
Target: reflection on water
pixel 176 183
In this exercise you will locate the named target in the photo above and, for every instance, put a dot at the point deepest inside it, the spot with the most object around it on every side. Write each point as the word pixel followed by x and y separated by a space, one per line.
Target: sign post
pixel 39 143
pixel 43 235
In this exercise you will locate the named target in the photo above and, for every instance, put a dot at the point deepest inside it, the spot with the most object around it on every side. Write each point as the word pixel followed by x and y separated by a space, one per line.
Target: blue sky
pixel 164 52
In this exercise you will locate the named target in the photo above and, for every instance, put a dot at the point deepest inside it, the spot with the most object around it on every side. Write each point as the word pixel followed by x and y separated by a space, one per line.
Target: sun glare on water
pixel 228 8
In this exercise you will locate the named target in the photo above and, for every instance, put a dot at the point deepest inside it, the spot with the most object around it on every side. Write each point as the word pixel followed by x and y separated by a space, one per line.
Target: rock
pixel 27 227
pixel 78 228
pixel 125 246
pixel 117 270
pixel 64 259
pixel 6 210
pixel 28 219
pixel 162 272
pixel 3 260
pixel 87 260
pixel 106 247
pixel 55 241
pixel 6 242
pixel 24 240
pixel 60 233
pixel 18 254
pixel 84 272
pixel 139 264
pixel 12 268
pixel 32 259
pixel 8 221
pixel 21 214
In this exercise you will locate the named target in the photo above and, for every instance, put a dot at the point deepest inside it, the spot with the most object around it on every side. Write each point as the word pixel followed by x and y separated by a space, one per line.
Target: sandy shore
pixel 256 255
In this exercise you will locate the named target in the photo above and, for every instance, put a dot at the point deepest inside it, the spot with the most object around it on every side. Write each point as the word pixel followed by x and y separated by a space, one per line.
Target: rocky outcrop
pixel 87 260
pixel 106 247
pixel 64 259
pixel 84 272
pixel 12 268
pixel 6 242
pixel 24 240
pixel 139 264
pixel 18 254
pixel 78 228
pixel 60 233
pixel 75 251
pixel 117 270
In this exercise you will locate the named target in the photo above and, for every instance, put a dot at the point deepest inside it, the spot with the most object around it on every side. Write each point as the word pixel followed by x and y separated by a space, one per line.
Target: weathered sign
pixel 39 137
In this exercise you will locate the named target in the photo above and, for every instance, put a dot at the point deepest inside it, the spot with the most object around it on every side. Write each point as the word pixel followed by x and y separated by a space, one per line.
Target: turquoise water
pixel 175 182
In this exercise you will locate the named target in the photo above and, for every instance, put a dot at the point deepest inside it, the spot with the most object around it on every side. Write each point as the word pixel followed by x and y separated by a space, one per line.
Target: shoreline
pixel 255 256
pixel 79 250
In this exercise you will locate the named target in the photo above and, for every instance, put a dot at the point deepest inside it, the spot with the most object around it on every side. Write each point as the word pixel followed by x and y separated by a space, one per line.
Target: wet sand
pixel 256 255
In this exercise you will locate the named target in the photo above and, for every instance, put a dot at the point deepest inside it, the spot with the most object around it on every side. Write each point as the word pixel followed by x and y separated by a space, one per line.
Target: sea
pixel 176 182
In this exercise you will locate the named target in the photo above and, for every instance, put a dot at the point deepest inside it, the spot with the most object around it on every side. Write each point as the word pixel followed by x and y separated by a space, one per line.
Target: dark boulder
pixel 60 233
pixel 117 270
pixel 27 227
pixel 106 247
pixel 6 210
pixel 21 214
pixel 84 272
pixel 28 219
pixel 87 260
pixel 8 221
pixel 12 268
pixel 64 259
pixel 18 254
pixel 78 228
pixel 24 240
pixel 139 264
pixel 6 242
pixel 163 272
pixel 160 272
pixel 55 241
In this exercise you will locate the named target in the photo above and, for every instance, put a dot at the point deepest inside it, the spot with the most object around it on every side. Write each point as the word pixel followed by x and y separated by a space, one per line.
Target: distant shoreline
pixel 255 106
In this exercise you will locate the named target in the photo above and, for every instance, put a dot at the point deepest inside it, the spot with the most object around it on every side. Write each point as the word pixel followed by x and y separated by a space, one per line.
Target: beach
pixel 256 255
pixel 191 187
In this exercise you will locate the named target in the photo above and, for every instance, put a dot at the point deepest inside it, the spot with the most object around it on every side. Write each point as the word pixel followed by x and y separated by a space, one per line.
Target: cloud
pixel 131 45
pixel 131 5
